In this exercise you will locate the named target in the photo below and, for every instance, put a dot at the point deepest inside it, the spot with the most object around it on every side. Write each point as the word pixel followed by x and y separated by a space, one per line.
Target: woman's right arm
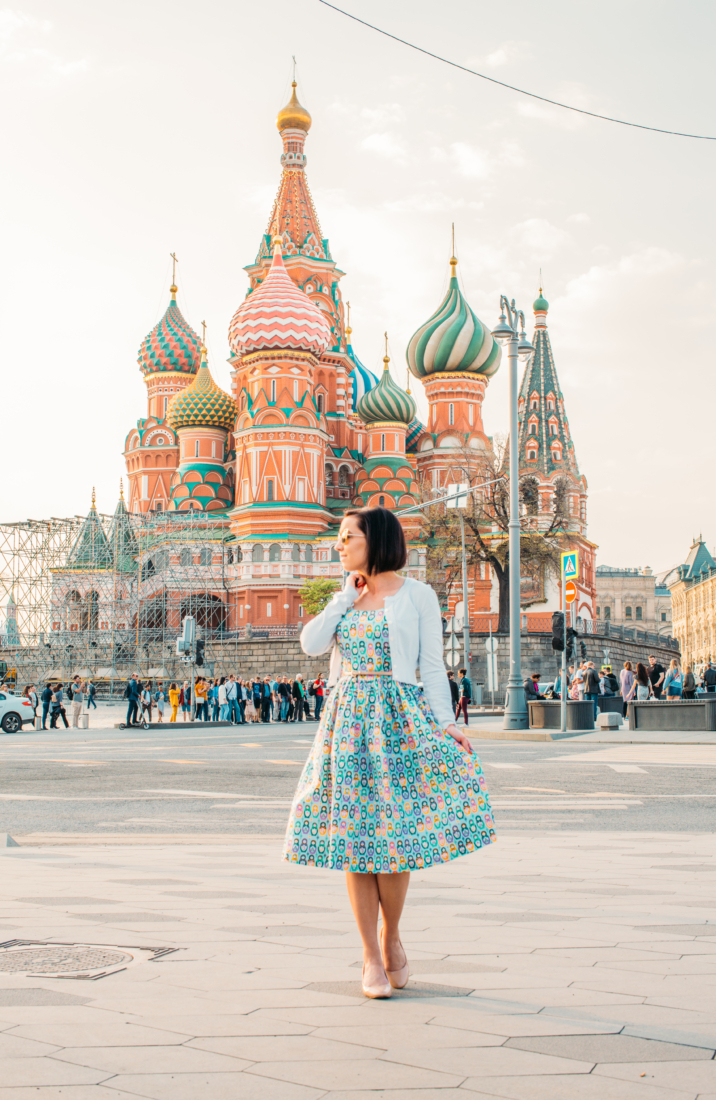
pixel 318 635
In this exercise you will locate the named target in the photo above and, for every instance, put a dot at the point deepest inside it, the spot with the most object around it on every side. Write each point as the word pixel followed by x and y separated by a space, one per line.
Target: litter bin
pixel 545 714
pixel 83 721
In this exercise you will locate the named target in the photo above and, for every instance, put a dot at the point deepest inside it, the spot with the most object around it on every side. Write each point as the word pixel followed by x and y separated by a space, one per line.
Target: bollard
pixel 38 723
pixel 83 721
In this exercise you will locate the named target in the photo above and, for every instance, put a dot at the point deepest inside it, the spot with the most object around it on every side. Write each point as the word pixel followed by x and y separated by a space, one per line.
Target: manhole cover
pixel 61 959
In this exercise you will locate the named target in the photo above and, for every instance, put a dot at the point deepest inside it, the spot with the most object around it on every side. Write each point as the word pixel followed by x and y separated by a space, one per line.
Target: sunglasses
pixel 346 535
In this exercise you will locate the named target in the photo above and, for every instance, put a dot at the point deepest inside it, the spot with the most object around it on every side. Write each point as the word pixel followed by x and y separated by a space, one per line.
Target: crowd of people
pixel 637 682
pixel 226 699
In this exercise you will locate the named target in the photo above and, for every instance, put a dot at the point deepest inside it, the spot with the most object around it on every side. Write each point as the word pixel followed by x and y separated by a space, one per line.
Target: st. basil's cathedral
pixel 308 430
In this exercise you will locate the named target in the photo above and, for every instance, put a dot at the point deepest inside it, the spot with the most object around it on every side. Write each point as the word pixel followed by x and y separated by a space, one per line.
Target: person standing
pixel 672 682
pixel 174 696
pixel 657 674
pixel 688 689
pixel 146 701
pixel 78 699
pixel 232 692
pixel 202 708
pixel 297 694
pixel 380 627
pixel 242 696
pixel 91 692
pixel 454 692
pixel 160 698
pixel 266 700
pixel 58 710
pixel 465 687
pixel 46 699
pixel 319 687
pixel 626 682
pixel 709 678
pixel 283 694
pixel 222 700
pixel 132 693
pixel 641 688
pixel 591 687
pixel 185 702
pixel 31 695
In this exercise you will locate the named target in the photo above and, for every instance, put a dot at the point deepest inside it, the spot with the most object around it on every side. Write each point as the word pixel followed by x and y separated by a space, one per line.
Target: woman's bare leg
pixel 392 890
pixel 364 899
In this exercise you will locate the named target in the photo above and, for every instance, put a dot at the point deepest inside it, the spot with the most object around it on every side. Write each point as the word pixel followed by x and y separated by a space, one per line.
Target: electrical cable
pixel 511 87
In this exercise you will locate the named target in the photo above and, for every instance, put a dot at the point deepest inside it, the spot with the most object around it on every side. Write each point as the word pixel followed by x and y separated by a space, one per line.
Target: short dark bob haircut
pixel 384 535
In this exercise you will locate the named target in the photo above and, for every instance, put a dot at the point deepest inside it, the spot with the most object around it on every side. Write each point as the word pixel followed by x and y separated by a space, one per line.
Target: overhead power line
pixel 511 87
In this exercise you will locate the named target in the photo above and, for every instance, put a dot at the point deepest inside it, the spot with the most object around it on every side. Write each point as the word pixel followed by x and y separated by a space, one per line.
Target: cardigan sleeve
pixel 319 635
pixel 430 657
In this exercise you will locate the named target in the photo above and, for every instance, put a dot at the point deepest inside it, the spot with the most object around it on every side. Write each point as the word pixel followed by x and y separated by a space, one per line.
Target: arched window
pixel 533 427
pixel 382 442
pixel 273 389
pixel 275 553
pixel 187 556
pixel 381 502
pixel 343 473
pixel 413 557
pixel 329 476
pixel 451 413
pixel 243 401
pixel 309 552
pixel 469 414
pixel 269 488
pixel 257 553
pixel 319 402
pixel 206 556
pixel 295 552
pixel 196 448
pixel 335 556
pixel 531 455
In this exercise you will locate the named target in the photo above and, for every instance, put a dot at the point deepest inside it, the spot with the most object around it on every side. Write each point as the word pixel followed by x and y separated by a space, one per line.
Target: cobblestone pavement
pixel 549 966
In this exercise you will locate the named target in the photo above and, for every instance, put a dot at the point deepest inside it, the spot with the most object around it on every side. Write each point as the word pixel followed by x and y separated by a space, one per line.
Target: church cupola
pixel 293 123
pixel 386 402
pixel 172 345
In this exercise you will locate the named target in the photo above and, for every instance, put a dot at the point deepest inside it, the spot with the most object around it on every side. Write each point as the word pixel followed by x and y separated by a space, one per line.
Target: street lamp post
pixel 511 330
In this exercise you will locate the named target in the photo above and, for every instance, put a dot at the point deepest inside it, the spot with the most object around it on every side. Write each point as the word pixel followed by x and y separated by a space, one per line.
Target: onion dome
pixel 202 404
pixel 279 315
pixel 172 345
pixel 362 379
pixel 293 116
pixel 415 430
pixel 540 305
pixel 453 339
pixel 386 401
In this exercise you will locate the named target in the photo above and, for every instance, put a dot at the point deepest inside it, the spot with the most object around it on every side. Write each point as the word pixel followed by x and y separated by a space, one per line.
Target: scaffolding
pixel 104 595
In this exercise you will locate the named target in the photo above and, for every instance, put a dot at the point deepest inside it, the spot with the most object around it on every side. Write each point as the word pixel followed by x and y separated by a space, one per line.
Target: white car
pixel 15 712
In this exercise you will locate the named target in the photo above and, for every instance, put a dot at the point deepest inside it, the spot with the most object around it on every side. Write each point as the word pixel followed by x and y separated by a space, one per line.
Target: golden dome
pixel 293 116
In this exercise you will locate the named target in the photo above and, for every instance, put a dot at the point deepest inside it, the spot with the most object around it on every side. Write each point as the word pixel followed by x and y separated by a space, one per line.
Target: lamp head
pixel 502 331
pixel 524 348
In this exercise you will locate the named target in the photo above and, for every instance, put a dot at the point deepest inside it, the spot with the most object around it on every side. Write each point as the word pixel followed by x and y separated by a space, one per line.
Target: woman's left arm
pixel 432 666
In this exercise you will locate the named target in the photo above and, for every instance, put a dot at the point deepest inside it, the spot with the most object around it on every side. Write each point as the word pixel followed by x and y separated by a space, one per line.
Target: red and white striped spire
pixel 278 315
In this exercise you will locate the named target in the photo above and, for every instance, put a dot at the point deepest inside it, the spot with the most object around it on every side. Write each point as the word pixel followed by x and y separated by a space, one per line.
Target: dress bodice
pixel 364 642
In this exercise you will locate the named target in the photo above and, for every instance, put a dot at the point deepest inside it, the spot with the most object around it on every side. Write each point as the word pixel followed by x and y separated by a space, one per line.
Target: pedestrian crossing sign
pixel 570 564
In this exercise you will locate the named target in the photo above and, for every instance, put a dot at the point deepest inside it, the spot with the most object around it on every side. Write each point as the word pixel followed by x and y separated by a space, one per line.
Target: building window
pixel 273 389
pixel 607 612
pixel 534 403
pixel 397 442
pixel 196 448
pixel 295 389
pixel 531 456
pixel 275 553
pixel 413 557
pixel 553 429
pixel 469 414
pixel 381 502
pixel 300 611
pixel 599 612
pixel 663 616
pixel 301 488
pixel 159 506
pixel 638 613
pixel 382 442
pixel 245 492
pixel 550 404
pixel 451 413
pixel 319 402
pixel 269 489
pixel 241 611
pixel 268 610
pixel 206 556
pixel 360 444
pixel 533 427
pixel 166 402
pixel 627 613
pixel 257 553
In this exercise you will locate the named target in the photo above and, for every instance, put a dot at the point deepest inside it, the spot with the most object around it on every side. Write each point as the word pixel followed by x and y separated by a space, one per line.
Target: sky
pixel 136 130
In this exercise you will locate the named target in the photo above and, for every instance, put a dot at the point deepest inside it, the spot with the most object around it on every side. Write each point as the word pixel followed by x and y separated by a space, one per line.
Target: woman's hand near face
pixel 459 736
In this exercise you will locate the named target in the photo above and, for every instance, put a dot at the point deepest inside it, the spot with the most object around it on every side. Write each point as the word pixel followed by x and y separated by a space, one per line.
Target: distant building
pixel 634 597
pixel 693 597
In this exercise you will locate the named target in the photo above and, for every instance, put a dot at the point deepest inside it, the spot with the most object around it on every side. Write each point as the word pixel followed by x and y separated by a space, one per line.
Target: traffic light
pixel 557 630
pixel 583 650
pixel 199 661
pixel 445 624
pixel 571 635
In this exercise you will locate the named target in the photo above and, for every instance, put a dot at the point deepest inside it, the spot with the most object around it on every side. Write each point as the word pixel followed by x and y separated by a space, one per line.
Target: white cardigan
pixel 416 638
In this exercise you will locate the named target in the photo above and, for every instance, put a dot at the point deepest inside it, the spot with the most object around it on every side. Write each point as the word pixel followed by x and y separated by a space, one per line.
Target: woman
pixel 250 712
pixel 185 701
pixel 688 689
pixel 626 682
pixel 214 692
pixel 160 699
pixel 641 689
pixel 57 709
pixel 222 701
pixel 146 701
pixel 30 694
pixel 174 701
pixel 391 784
pixel 672 682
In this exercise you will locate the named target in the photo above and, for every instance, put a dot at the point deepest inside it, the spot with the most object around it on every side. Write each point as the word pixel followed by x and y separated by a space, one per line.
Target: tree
pixel 486 520
pixel 314 595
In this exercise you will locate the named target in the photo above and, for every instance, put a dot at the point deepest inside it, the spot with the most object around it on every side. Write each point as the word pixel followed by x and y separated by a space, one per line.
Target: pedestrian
pixel 232 689
pixel 591 687
pixel 275 702
pixel 605 682
pixel 131 693
pixel 291 706
pixel 709 678
pixel 160 698
pixel 58 710
pixel 202 707
pixel 380 627
pixel 641 689
pixel 46 699
pixel 222 701
pixel 531 686
pixel 688 690
pixel 284 697
pixel 319 688
pixel 297 695
pixel 174 697
pixel 454 692
pixel 146 701
pixel 626 681
pixel 672 682
pixel 657 674
pixel 465 687
pixel 266 700
pixel 185 701
pixel 31 695
pixel 91 692
pixel 77 701
pixel 215 704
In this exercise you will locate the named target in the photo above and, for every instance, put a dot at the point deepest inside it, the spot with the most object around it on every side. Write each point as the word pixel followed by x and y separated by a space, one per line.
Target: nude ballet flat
pixel 379 991
pixel 397 978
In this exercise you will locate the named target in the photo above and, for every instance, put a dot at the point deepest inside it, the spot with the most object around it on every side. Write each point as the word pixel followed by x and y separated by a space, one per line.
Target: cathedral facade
pixel 308 430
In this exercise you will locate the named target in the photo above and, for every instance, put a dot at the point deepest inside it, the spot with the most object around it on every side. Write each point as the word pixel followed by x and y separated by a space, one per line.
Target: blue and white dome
pixel 362 380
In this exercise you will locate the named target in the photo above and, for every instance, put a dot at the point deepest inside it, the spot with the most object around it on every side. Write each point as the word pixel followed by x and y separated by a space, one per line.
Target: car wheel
pixel 11 723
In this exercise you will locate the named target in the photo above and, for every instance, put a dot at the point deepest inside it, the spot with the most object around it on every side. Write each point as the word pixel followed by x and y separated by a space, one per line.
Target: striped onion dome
pixel 279 315
pixel 453 339
pixel 362 379
pixel 415 430
pixel 172 345
pixel 202 404
pixel 386 401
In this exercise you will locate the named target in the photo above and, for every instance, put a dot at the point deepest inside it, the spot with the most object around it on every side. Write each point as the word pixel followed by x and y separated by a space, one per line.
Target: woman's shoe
pixel 377 991
pixel 397 978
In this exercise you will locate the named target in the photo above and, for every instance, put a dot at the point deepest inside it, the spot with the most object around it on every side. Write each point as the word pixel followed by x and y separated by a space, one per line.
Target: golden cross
pixel 453 238
pixel 121 488
pixel 174 267
pixel 540 280
pixel 203 333
pixel 348 317
pixel 294 68
pixel 94 496
pixel 386 357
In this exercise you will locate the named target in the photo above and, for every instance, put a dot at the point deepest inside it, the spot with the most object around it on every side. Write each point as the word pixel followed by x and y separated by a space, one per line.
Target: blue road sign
pixel 570 564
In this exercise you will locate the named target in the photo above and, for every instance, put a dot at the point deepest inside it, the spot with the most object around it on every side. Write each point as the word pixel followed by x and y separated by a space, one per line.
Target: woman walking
pixel 626 682
pixel 641 688
pixel 688 689
pixel 391 784
pixel 672 682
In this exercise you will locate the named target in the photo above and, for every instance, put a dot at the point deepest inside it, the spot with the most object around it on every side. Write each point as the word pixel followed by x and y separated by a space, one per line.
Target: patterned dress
pixel 384 789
